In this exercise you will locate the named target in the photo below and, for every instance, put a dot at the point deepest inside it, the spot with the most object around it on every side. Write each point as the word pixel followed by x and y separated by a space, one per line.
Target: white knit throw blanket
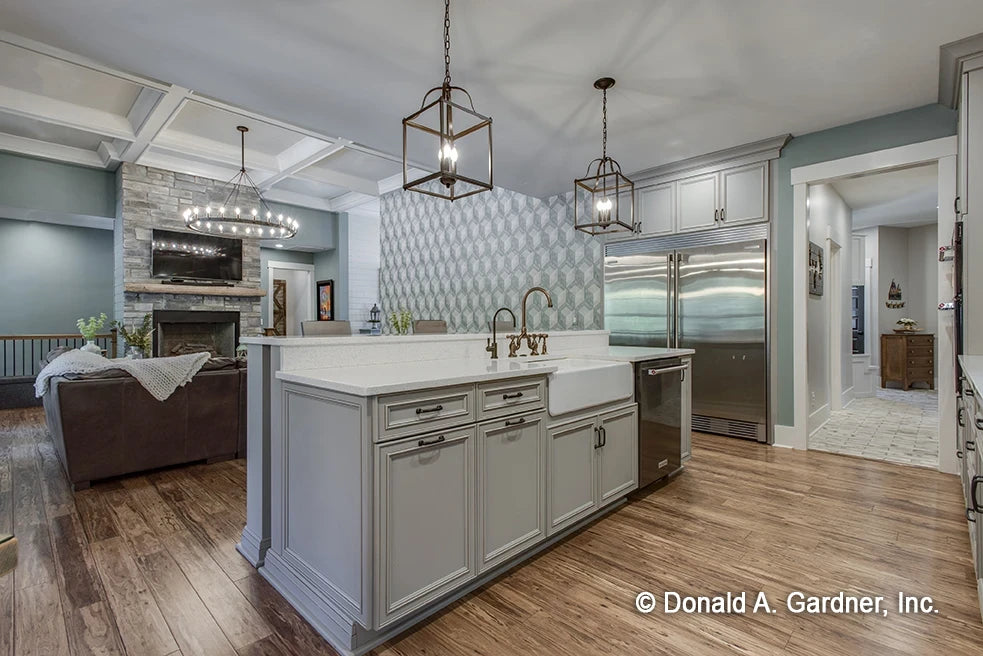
pixel 160 376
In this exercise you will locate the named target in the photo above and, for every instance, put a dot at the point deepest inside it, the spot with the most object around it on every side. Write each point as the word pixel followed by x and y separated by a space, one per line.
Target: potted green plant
pixel 401 321
pixel 90 328
pixel 137 339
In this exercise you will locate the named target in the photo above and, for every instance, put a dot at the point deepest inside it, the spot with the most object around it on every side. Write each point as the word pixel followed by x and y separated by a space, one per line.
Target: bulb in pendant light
pixel 604 206
pixel 448 152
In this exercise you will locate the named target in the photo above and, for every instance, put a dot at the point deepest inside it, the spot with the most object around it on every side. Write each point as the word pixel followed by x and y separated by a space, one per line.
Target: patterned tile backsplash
pixel 461 261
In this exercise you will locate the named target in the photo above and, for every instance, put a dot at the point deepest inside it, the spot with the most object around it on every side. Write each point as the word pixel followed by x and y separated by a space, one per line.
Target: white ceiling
pixel 694 76
pixel 905 197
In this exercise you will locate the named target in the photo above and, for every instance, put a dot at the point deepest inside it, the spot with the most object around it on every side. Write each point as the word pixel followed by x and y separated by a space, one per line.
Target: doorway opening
pixel 879 346
pixel 290 295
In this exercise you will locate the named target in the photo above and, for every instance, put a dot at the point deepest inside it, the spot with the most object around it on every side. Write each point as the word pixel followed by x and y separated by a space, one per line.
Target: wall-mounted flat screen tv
pixel 192 256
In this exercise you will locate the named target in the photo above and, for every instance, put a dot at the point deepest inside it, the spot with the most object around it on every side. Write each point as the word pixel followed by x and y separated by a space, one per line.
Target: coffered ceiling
pixel 694 76
pixel 61 106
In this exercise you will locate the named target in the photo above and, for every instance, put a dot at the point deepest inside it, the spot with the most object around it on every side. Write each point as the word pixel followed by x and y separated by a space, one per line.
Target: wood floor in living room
pixel 146 565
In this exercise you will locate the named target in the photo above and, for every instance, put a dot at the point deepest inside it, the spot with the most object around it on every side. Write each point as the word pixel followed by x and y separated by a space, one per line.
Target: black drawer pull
pixel 597 443
pixel 973 495
pixel 436 408
pixel 517 422
pixel 979 423
pixel 436 440
pixel 959 454
pixel 517 395
pixel 971 446
pixel 970 392
pixel 959 418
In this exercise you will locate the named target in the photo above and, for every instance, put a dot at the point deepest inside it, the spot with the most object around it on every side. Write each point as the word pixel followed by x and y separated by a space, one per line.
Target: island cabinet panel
pixel 511 487
pixel 617 457
pixel 411 413
pixel 500 399
pixel 322 490
pixel 570 472
pixel 425 527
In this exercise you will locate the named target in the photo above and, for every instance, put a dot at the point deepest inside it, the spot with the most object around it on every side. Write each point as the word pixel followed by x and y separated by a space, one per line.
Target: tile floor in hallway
pixel 895 425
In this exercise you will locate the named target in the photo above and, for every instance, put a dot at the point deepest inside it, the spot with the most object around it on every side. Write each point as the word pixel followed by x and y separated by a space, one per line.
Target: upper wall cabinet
pixel 731 196
pixel 657 208
pixel 969 163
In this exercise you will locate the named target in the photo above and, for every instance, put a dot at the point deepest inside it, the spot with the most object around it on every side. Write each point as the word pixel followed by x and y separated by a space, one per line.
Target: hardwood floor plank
pixel 58 498
pixel 130 524
pixel 239 621
pixel 152 507
pixel 96 516
pixel 40 627
pixel 138 617
pixel 268 646
pixel 193 626
pixel 293 630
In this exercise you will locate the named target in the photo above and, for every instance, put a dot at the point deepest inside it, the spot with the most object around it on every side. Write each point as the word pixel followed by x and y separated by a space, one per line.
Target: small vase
pixel 134 353
pixel 91 347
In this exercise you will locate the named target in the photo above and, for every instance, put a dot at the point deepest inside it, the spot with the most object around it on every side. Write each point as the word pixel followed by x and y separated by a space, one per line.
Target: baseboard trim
pixel 818 418
pixel 847 397
pixel 252 548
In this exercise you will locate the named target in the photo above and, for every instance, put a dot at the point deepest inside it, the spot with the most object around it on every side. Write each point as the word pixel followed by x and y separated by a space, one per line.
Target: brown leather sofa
pixel 106 424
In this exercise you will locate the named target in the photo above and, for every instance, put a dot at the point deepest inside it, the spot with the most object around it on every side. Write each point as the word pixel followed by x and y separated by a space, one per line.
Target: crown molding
pixel 756 151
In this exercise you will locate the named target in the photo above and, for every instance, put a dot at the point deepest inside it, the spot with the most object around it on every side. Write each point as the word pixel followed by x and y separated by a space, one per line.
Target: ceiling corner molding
pixel 60 218
pixel 952 57
pixel 756 151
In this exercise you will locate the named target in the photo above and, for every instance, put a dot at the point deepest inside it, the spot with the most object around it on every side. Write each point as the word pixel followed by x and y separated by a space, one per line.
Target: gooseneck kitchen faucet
pixel 493 341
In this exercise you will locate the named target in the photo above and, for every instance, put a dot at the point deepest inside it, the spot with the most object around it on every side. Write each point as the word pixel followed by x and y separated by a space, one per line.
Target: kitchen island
pixel 395 487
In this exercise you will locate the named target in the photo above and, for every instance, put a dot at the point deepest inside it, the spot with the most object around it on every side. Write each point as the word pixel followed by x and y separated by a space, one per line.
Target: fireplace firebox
pixel 177 332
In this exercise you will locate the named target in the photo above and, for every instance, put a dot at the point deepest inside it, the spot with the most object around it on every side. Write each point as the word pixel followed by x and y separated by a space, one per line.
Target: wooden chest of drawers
pixel 908 359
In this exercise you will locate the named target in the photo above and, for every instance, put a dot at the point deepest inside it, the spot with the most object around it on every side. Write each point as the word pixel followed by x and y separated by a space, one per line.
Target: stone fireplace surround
pixel 149 198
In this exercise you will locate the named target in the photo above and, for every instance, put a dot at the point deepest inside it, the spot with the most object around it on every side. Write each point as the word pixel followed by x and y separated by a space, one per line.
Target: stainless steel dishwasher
pixel 659 390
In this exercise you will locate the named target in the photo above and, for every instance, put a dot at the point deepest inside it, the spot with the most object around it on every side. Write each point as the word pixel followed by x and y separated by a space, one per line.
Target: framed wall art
pixel 325 300
pixel 816 269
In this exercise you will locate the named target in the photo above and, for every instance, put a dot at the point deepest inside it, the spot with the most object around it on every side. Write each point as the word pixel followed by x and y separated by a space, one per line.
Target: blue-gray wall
pixel 50 275
pixel 888 131
pixel 52 187
pixel 333 265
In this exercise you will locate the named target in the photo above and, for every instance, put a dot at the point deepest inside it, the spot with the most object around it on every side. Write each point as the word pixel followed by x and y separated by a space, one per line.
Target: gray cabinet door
pixel 743 189
pixel 511 487
pixel 617 458
pixel 424 521
pixel 570 474
pixel 697 202
pixel 656 209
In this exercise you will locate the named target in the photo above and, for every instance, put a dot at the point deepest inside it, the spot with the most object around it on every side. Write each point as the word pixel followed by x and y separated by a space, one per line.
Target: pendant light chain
pixel 604 132
pixel 447 43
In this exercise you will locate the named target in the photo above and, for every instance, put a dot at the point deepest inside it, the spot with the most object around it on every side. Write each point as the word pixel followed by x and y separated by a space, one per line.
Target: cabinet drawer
pixel 921 351
pixel 920 361
pixel 921 340
pixel 504 398
pixel 416 412
pixel 921 373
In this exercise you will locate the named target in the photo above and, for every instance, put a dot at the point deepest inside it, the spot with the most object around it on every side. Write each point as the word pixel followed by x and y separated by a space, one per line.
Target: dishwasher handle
pixel 657 371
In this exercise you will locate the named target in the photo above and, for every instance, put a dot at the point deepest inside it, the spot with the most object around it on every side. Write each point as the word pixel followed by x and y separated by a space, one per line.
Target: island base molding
pixel 346 635
pixel 252 547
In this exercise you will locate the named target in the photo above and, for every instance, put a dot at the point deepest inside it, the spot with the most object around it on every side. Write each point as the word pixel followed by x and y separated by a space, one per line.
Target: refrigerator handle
pixel 670 282
pixel 675 295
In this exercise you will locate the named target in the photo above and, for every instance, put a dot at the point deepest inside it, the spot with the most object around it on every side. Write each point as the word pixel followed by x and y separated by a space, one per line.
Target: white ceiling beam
pixel 302 154
pixel 108 154
pixel 48 150
pixel 295 198
pixel 350 201
pixel 78 60
pixel 339 179
pixel 60 112
pixel 180 164
pixel 148 122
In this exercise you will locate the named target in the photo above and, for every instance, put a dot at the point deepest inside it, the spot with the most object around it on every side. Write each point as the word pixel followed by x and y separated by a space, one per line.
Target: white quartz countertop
pixel 376 379
pixel 364 340
pixel 372 380
pixel 973 370
pixel 634 353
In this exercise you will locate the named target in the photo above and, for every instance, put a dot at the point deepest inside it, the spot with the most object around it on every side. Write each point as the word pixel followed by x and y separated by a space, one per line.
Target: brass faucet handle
pixel 532 341
pixel 514 343
pixel 544 337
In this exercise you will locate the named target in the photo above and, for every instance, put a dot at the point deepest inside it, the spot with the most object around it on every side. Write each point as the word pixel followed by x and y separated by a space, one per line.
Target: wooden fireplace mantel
pixel 197 290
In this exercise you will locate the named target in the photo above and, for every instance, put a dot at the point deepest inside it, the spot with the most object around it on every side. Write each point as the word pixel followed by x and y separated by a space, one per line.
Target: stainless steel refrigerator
pixel 706 291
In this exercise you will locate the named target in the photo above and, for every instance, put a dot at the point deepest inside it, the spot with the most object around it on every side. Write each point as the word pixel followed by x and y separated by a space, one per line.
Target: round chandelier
pixel 244 212
pixel 604 200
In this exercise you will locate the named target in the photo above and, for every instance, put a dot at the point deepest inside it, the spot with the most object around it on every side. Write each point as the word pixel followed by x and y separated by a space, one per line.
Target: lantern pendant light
pixel 454 132
pixel 604 202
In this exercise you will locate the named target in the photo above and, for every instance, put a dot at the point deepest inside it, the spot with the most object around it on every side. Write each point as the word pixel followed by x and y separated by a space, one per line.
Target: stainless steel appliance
pixel 658 389
pixel 706 291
